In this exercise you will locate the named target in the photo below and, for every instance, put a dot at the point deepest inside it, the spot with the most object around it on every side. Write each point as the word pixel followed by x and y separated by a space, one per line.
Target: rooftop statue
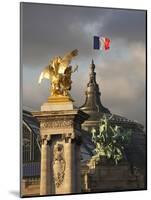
pixel 59 73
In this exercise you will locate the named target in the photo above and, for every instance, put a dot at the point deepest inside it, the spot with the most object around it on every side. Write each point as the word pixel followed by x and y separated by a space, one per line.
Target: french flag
pixel 101 43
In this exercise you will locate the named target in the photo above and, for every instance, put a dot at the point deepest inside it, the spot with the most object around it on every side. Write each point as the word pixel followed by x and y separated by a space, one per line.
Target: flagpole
pixel 93 51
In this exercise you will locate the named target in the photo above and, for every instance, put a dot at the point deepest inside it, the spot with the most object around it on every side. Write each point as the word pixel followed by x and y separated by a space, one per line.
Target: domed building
pixel 93 106
pixel 128 174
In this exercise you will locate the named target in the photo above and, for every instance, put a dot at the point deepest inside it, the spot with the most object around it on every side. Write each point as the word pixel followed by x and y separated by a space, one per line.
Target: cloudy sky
pixel 50 30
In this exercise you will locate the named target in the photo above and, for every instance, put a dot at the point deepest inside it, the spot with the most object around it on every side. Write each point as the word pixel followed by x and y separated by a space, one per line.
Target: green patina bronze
pixel 110 141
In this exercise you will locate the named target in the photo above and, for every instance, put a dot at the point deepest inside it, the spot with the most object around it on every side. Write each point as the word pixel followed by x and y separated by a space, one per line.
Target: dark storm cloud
pixel 48 30
pixel 54 30
pixel 126 24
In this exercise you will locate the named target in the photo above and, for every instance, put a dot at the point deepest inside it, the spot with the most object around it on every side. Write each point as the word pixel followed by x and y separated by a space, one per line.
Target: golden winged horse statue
pixel 59 73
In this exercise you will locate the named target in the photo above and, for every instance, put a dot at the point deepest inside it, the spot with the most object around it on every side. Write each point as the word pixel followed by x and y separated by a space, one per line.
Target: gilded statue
pixel 59 73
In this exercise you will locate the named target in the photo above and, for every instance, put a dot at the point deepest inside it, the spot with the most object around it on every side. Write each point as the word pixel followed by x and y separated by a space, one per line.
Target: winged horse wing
pixel 44 74
pixel 66 60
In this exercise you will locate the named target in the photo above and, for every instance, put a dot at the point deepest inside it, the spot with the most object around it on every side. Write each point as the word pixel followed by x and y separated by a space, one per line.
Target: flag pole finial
pixel 92 66
pixel 92 61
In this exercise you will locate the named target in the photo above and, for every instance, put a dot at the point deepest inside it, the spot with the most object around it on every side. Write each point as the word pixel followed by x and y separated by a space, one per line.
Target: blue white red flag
pixel 101 43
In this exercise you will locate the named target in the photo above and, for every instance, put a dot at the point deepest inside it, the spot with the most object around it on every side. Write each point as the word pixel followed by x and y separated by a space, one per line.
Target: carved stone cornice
pixel 60 123
pixel 76 115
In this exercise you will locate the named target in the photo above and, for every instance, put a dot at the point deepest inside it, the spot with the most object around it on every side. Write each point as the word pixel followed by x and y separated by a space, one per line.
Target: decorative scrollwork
pixel 56 124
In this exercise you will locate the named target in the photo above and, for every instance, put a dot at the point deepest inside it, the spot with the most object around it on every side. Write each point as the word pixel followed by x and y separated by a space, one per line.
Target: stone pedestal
pixel 60 130
pixel 58 103
pixel 45 181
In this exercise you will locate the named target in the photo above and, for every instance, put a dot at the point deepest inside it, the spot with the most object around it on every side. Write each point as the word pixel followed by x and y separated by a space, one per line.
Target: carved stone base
pixel 61 127
pixel 58 103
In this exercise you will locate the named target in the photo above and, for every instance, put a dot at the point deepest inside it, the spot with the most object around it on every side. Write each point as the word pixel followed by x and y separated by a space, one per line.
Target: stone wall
pixel 30 187
pixel 97 178
pixel 100 178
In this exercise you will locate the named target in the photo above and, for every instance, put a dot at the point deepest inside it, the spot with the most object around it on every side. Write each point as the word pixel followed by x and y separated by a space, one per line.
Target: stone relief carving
pixel 56 124
pixel 58 164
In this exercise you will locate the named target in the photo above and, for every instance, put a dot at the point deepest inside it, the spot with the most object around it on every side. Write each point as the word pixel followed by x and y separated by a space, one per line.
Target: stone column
pixel 86 182
pixel 69 171
pixel 45 180
pixel 78 167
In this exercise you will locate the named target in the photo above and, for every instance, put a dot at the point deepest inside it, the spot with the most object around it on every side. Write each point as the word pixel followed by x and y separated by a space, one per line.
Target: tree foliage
pixel 110 141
